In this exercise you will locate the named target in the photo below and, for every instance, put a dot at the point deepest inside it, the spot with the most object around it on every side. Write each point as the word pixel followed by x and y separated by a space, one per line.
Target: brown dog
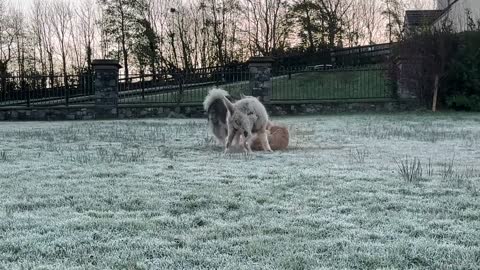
pixel 278 138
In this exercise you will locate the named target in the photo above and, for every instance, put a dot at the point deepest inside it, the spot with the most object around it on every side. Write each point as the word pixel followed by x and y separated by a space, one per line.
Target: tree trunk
pixel 310 31
pixel 3 79
pixel 64 68
pixel 125 56
pixel 51 71
pixel 435 93
pixel 124 43
pixel 89 59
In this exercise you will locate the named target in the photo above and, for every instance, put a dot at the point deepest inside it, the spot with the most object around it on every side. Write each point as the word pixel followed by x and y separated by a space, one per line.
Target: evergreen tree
pixel 120 23
pixel 304 11
pixel 146 46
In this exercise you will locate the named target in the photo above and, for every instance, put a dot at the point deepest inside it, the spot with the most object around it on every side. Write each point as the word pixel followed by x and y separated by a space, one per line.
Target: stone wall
pixel 48 114
pixel 260 69
pixel 124 112
pixel 106 88
pixel 339 107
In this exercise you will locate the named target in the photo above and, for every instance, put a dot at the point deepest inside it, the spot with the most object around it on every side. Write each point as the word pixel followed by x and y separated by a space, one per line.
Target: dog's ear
pixel 229 105
pixel 242 96
pixel 231 98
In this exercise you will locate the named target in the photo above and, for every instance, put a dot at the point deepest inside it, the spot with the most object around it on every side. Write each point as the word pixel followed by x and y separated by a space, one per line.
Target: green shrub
pixel 464 103
pixel 462 80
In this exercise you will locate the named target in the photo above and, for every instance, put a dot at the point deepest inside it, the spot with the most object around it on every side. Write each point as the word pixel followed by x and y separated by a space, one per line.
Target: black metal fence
pixel 355 56
pixel 289 84
pixel 181 86
pixel 32 91
pixel 326 82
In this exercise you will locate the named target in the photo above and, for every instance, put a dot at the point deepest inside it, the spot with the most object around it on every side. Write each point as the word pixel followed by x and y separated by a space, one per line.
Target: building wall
pixel 458 14
pixel 443 4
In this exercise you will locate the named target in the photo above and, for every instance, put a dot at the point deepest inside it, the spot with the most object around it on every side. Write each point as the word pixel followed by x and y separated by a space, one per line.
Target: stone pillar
pixel 106 88
pixel 261 77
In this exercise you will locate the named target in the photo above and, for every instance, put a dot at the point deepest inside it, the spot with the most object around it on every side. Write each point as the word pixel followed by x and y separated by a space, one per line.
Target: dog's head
pixel 236 118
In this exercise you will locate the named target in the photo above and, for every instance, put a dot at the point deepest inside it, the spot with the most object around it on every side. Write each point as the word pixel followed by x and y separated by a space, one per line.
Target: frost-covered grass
pixel 158 194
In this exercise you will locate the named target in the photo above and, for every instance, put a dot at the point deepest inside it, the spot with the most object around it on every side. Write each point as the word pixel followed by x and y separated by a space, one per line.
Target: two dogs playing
pixel 244 122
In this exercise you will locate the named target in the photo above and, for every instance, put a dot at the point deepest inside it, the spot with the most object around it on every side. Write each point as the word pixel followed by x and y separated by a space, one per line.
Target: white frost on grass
pixel 144 194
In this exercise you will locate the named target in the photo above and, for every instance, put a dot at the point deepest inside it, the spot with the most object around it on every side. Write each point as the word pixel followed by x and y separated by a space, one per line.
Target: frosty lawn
pixel 158 194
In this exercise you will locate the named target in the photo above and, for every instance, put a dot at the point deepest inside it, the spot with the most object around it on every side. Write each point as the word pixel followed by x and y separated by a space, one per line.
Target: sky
pixel 26 3
pixel 22 3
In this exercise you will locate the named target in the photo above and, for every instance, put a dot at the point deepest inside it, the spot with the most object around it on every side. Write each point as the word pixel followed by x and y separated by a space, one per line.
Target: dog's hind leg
pixel 264 141
pixel 237 138
pixel 231 135
pixel 247 144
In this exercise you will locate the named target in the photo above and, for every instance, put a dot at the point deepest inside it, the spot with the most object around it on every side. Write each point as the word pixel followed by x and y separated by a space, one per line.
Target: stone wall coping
pixel 63 107
pixel 106 64
pixel 261 60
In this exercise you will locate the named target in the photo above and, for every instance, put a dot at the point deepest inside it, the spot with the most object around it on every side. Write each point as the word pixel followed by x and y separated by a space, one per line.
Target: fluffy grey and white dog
pixel 217 113
pixel 247 117
pixel 228 121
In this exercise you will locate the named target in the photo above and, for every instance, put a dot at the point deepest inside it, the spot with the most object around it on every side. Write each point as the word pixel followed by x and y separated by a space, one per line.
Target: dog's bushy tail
pixel 214 95
pixel 216 110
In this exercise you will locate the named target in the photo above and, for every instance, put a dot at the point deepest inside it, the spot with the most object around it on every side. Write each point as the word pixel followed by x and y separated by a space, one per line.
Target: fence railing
pixel 354 56
pixel 325 82
pixel 181 86
pixel 31 91
pixel 296 84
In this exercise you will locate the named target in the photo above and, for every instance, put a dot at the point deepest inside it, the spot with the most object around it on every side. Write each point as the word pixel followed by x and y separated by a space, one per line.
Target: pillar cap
pixel 261 59
pixel 105 63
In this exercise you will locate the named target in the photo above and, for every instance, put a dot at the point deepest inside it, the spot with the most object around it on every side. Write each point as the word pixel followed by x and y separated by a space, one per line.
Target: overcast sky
pixel 26 3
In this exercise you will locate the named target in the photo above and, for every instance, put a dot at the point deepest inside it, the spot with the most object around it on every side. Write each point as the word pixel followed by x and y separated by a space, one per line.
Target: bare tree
pixel 333 12
pixel 9 33
pixel 87 18
pixel 159 15
pixel 370 16
pixel 37 32
pixel 269 24
pixel 354 25
pixel 60 14
pixel 7 38
pixel 20 33
pixel 219 10
pixel 45 29
pixel 76 56
pixel 394 10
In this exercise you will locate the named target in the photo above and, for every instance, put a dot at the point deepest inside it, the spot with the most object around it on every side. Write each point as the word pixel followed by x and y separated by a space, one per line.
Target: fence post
pixel 106 88
pixel 261 77
pixel 142 83
pixel 25 88
pixel 67 91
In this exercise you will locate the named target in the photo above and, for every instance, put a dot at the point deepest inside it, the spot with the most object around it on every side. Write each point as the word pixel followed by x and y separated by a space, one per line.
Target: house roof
pixel 416 18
